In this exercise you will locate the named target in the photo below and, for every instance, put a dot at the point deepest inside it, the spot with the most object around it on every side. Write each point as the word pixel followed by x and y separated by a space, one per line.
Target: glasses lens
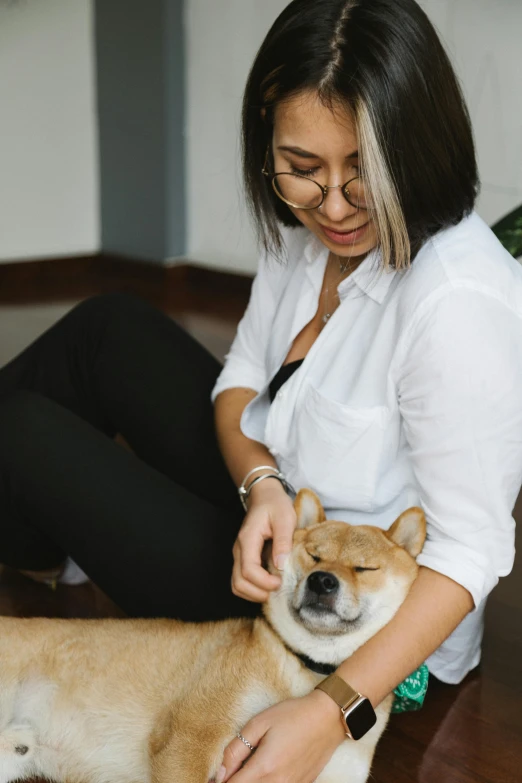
pixel 299 192
pixel 355 193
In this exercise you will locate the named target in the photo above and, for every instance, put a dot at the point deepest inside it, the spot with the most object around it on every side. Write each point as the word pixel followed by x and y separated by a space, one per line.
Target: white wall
pixel 222 39
pixel 48 135
pixel 482 36
pixel 484 42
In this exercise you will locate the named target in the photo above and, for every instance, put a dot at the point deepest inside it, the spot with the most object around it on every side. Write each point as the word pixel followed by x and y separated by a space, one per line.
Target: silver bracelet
pixel 242 491
pixel 245 493
pixel 256 470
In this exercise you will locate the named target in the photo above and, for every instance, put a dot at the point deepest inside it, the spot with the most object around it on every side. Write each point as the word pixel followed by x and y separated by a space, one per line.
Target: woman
pixel 380 363
pixel 408 392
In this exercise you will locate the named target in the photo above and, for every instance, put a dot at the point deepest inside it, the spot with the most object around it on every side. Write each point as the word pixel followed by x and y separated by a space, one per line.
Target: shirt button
pixel 281 394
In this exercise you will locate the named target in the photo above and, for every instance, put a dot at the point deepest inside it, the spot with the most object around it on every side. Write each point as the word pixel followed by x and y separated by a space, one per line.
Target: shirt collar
pixel 314 249
pixel 369 276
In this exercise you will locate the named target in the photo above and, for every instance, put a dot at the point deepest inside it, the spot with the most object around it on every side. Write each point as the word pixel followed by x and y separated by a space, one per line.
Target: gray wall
pixel 174 63
pixel 48 136
pixel 140 84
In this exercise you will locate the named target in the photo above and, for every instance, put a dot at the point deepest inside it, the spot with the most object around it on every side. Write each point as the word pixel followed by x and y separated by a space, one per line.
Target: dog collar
pixel 315 666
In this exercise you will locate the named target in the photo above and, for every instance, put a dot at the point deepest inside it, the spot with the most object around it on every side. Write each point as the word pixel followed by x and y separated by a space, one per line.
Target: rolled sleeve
pixel 460 397
pixel 245 363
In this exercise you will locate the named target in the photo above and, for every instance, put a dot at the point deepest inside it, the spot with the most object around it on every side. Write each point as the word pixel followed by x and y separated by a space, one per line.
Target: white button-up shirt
pixel 411 395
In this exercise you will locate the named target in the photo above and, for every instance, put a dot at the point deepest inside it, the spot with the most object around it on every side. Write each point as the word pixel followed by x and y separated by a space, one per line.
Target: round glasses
pixel 301 192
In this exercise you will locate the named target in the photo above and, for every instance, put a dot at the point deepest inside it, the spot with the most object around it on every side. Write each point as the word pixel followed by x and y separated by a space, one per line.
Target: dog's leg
pixel 178 753
pixel 18 751
pixel 173 765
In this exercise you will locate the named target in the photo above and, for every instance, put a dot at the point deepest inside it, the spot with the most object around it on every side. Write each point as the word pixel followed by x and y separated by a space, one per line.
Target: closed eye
pixel 314 558
pixel 304 172
pixel 360 569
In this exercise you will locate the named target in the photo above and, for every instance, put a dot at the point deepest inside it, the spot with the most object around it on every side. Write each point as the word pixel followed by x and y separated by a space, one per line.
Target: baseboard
pixel 56 269
pixel 214 279
pixel 83 275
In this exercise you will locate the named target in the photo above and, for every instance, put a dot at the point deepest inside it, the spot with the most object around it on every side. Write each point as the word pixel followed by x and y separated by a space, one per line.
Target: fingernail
pixel 221 775
pixel 280 562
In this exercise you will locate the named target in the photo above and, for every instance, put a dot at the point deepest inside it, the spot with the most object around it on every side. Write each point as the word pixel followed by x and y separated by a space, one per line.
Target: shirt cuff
pixel 465 566
pixel 238 375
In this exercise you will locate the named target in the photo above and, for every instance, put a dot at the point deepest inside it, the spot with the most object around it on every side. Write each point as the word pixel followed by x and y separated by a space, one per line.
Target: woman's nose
pixel 335 207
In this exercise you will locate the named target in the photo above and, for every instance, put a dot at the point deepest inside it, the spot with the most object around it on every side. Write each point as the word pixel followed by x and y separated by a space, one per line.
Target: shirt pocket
pixel 339 449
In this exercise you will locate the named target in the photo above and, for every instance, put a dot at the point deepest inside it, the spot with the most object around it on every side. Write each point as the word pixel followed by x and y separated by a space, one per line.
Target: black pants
pixel 154 528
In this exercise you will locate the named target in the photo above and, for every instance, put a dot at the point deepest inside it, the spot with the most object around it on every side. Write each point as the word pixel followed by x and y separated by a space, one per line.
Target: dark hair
pixel 383 60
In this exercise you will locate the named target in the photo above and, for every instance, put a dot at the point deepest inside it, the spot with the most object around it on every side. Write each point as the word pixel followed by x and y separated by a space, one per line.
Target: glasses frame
pixel 324 188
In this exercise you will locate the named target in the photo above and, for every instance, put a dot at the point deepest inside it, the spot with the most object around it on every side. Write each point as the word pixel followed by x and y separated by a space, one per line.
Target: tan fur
pixel 132 701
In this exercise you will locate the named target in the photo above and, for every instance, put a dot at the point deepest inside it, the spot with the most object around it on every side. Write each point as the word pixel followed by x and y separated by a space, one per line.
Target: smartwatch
pixel 358 715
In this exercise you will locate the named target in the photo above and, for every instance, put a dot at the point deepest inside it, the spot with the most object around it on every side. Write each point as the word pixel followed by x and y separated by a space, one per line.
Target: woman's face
pixel 313 140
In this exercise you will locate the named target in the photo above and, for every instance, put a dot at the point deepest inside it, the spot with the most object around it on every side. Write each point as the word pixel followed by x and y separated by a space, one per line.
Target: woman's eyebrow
pixel 304 154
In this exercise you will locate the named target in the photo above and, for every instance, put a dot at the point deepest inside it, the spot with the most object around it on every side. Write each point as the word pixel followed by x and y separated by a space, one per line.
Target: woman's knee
pixel 24 417
pixel 105 307
pixel 119 320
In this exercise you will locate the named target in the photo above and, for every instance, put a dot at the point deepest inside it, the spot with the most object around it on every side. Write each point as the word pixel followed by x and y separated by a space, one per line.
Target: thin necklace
pixel 344 266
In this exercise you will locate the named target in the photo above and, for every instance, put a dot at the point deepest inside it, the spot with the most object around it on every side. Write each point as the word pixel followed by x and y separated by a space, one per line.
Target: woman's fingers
pixel 244 589
pixel 272 520
pixel 251 540
pixel 249 579
pixel 238 752
pixel 283 539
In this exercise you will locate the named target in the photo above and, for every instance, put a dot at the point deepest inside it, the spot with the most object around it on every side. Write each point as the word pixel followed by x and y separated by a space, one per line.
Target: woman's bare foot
pixel 68 573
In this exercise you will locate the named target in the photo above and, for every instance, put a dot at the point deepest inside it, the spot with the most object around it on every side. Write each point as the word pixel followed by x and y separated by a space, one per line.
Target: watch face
pixel 360 719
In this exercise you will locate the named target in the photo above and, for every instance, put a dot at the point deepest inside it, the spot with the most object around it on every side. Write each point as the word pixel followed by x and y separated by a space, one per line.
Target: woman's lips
pixel 345 237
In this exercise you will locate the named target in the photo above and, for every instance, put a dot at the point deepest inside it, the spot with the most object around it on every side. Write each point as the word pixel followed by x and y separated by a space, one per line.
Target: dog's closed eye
pixel 314 557
pixel 360 569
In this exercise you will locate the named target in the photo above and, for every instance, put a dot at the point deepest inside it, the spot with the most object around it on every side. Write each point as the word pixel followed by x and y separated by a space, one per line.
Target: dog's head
pixel 342 583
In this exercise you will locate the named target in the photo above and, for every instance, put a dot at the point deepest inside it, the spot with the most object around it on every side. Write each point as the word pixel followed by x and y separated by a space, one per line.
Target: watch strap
pixel 339 690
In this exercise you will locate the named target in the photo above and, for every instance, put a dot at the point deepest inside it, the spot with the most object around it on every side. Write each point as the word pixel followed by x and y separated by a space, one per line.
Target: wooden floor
pixel 472 732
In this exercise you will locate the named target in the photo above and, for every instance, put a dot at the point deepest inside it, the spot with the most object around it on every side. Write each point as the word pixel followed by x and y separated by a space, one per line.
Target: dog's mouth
pixel 325 619
pixel 321 605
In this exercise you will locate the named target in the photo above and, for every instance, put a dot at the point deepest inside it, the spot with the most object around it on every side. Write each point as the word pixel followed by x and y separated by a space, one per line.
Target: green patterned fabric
pixel 410 694
pixel 509 231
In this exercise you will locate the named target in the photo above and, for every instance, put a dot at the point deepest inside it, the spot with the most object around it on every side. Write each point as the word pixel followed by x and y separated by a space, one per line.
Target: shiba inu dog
pixel 132 701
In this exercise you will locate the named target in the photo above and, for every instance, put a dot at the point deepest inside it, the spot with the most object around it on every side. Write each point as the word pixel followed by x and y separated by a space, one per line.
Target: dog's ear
pixel 308 508
pixel 409 531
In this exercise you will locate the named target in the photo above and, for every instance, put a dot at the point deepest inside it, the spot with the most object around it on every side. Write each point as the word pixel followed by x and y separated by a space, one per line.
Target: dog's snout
pixel 322 583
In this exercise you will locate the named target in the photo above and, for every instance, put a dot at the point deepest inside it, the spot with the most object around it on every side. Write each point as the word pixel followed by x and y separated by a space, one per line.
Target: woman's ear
pixel 308 508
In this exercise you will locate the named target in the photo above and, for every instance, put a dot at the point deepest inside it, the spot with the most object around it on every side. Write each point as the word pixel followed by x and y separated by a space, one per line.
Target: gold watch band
pixel 339 690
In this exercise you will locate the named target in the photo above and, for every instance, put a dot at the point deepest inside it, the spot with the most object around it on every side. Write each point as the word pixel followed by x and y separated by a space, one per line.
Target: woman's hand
pixel 271 516
pixel 294 741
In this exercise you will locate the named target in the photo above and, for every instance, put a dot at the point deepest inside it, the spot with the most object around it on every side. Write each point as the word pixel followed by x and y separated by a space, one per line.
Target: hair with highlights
pixel 383 62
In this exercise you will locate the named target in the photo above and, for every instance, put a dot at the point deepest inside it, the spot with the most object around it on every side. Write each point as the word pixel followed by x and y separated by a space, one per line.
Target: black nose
pixel 321 582
pixel 21 749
